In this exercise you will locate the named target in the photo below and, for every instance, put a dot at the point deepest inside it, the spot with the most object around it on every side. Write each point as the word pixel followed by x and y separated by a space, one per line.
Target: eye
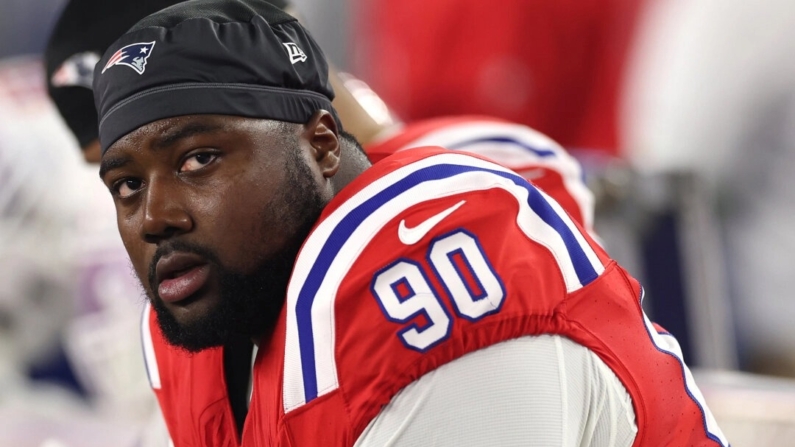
pixel 197 161
pixel 126 187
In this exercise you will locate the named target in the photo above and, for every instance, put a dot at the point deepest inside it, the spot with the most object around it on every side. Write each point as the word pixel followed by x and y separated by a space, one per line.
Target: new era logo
pixel 133 56
pixel 296 55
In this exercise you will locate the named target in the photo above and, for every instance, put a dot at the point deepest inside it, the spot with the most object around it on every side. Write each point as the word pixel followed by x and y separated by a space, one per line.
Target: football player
pixel 433 298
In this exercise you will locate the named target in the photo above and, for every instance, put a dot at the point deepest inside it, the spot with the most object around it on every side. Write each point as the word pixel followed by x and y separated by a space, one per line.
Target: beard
pixel 250 303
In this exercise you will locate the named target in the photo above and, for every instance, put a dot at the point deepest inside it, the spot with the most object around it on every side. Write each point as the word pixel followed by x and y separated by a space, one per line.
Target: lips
pixel 179 275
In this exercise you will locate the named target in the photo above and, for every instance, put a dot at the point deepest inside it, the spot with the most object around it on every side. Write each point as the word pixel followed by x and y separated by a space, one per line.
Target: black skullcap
pixel 83 32
pixel 230 57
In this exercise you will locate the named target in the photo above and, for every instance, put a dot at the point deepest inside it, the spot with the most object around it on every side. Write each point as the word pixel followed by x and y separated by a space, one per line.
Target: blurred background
pixel 682 114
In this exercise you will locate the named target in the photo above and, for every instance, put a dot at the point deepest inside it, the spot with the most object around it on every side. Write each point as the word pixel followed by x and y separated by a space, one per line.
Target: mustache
pixel 177 246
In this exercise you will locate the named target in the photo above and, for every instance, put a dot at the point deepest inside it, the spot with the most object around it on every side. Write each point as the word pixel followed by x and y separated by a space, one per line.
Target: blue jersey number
pixel 405 294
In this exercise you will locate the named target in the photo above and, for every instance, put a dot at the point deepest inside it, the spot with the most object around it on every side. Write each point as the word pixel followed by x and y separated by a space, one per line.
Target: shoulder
pixel 452 190
pixel 530 153
pixel 434 254
pixel 470 133
pixel 419 239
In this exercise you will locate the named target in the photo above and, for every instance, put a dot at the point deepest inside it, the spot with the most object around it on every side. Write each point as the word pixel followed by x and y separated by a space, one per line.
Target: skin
pixel 92 152
pixel 354 117
pixel 219 182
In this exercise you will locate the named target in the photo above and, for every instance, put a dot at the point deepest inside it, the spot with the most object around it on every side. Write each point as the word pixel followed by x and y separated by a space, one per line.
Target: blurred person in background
pixel 68 286
pixel 41 223
pixel 557 66
pixel 103 344
pixel 81 34
pixel 713 92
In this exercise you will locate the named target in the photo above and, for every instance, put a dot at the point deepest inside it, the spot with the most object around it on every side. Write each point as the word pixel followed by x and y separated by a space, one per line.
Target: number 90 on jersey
pixel 407 296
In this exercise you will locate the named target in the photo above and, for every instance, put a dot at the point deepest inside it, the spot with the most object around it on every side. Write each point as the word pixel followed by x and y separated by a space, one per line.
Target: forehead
pixel 168 131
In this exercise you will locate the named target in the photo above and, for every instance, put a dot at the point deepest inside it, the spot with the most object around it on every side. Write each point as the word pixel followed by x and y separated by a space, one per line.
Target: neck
pixel 352 163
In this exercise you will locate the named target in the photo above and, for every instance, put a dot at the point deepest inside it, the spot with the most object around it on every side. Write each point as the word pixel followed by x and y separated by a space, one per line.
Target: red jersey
pixel 425 257
pixel 519 148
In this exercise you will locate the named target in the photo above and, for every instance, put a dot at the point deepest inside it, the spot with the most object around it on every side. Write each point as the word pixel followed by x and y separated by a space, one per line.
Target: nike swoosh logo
pixel 411 236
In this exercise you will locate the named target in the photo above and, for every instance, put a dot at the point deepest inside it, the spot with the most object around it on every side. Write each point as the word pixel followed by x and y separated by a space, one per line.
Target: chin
pixel 212 321
pixel 192 328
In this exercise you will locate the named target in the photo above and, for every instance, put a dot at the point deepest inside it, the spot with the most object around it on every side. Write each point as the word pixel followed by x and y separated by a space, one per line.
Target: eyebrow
pixel 173 136
pixel 169 139
pixel 111 163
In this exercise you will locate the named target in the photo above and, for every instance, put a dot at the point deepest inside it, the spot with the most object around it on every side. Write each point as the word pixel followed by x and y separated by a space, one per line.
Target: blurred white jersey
pixel 65 273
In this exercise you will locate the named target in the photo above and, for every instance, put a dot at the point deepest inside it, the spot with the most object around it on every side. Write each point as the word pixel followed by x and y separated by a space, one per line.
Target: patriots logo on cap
pixel 77 71
pixel 133 56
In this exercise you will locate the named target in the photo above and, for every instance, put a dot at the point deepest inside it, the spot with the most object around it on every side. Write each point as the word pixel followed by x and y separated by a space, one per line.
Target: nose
pixel 165 214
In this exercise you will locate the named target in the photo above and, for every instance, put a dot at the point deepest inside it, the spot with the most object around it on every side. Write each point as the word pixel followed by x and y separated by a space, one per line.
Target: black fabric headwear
pixel 229 57
pixel 83 32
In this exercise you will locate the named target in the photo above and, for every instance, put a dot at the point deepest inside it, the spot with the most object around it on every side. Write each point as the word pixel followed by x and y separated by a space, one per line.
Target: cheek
pixel 139 252
pixel 245 221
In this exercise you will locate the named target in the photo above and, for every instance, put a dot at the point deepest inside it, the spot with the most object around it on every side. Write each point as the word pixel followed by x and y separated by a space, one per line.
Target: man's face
pixel 212 211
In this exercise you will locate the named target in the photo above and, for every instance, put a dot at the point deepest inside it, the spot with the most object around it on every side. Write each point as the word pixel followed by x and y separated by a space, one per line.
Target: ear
pixel 321 133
